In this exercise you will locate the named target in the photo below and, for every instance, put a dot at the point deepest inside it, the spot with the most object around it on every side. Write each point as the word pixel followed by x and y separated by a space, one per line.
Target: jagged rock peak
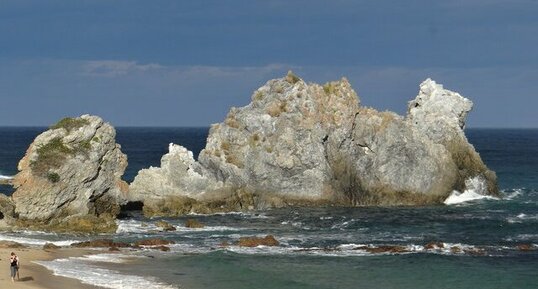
pixel 71 172
pixel 435 102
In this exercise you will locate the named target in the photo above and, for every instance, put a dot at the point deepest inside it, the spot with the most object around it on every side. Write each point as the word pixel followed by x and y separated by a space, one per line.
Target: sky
pixel 185 63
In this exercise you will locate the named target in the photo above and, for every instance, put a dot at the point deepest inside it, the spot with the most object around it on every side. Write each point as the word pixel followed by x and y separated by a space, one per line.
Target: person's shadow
pixel 24 279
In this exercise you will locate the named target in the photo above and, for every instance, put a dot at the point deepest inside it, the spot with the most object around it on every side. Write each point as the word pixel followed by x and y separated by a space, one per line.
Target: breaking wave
pixel 476 190
pixel 81 268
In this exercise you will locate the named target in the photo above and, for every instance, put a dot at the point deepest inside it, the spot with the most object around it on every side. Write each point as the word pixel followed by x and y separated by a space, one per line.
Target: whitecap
pixel 522 218
pixel 512 194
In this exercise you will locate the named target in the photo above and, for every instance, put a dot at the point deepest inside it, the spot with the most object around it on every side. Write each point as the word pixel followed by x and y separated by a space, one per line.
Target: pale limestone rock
pixel 69 173
pixel 306 144
pixel 178 175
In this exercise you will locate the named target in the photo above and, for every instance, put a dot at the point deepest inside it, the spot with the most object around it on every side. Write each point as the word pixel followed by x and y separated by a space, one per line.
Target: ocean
pixel 474 244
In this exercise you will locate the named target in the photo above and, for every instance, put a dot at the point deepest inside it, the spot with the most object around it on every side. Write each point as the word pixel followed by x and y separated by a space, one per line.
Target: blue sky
pixel 185 63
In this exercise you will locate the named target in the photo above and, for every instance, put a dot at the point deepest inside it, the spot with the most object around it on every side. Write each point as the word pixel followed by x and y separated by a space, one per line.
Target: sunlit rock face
pixel 70 178
pixel 307 144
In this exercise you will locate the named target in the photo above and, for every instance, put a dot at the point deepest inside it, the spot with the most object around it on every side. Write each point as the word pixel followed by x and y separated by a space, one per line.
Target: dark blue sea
pixel 479 244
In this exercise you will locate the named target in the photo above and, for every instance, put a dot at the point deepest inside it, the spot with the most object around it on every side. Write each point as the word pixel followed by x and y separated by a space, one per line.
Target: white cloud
pixel 114 68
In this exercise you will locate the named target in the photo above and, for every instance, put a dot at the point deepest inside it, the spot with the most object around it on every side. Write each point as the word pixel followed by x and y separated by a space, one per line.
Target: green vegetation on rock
pixel 53 177
pixel 70 123
pixel 53 154
pixel 292 78
pixel 50 155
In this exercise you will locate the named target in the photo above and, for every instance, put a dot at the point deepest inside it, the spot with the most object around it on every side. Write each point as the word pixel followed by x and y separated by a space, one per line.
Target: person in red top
pixel 14 265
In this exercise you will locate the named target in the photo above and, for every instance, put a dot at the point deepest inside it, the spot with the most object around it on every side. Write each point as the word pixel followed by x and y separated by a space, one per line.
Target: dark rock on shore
pixel 268 240
pixel 153 242
pixel 165 226
pixel 50 246
pixel 192 223
pixel 100 243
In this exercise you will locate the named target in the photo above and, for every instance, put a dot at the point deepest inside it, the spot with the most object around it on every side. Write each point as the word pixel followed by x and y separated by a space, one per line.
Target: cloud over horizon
pixel 181 63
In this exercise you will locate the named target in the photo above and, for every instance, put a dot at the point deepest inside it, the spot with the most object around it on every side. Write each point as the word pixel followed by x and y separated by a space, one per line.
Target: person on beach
pixel 14 266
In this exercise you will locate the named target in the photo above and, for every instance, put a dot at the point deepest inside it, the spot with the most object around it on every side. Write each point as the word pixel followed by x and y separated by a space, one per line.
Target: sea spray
pixel 476 189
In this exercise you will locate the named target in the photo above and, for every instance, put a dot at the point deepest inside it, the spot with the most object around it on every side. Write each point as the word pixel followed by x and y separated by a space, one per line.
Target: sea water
pixel 476 239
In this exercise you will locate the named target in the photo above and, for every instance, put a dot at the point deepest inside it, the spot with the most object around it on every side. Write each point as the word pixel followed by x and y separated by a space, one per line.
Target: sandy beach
pixel 35 276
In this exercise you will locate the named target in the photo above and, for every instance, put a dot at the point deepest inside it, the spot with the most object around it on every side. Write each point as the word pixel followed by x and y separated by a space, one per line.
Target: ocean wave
pixel 352 249
pixel 134 226
pixel 522 218
pixel 242 214
pixel 476 190
pixel 107 258
pixel 512 193
pixel 3 177
pixel 139 227
pixel 82 269
pixel 36 242
pixel 468 195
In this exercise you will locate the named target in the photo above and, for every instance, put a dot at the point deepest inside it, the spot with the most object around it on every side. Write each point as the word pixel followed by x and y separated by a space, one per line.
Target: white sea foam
pixel 138 227
pixel 83 270
pixel 35 242
pixel 476 190
pixel 3 177
pixel 107 258
pixel 512 194
pixel 134 226
pixel 522 218
pixel 242 214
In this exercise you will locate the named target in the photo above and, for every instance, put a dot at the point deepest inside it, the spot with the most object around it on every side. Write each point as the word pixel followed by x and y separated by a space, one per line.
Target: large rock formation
pixel 306 144
pixel 70 178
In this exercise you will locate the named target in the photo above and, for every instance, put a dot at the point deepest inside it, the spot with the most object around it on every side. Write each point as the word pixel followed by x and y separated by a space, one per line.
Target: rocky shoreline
pixel 295 144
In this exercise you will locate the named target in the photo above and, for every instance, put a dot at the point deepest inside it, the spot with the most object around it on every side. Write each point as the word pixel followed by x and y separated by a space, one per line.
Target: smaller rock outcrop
pixel 192 223
pixel 268 240
pixel 153 242
pixel 50 246
pixel 100 243
pixel 11 244
pixel 165 226
pixel 70 178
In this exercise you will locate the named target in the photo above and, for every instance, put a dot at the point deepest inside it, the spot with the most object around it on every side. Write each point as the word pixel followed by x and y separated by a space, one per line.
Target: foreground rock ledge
pixel 70 179
pixel 310 144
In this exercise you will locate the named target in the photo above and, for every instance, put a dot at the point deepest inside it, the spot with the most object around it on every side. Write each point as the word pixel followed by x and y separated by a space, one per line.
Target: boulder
pixel 165 226
pixel 11 244
pixel 153 242
pixel 299 144
pixel 50 246
pixel 384 249
pixel 100 243
pixel 70 178
pixel 268 240
pixel 525 247
pixel 192 223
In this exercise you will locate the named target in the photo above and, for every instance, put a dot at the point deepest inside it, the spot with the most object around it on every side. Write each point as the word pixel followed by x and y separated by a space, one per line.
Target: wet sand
pixel 36 276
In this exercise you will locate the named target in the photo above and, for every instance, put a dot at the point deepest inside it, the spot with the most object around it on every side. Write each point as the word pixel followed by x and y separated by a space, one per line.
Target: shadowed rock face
pixel 307 144
pixel 70 178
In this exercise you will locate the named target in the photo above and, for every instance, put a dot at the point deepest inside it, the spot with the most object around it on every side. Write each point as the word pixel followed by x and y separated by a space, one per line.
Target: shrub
pixel 70 123
pixel 53 154
pixel 292 78
pixel 50 155
pixel 329 88
pixel 53 177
